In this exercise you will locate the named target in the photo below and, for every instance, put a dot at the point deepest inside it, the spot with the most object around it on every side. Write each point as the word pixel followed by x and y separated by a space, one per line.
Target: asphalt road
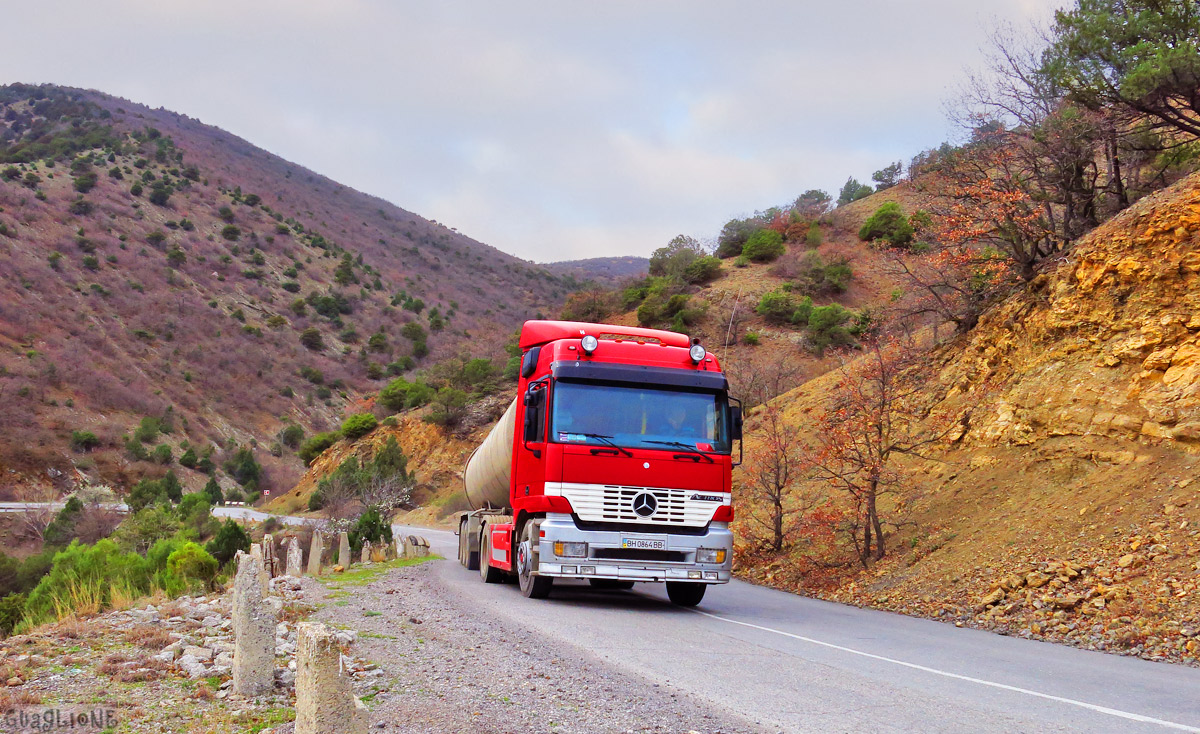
pixel 801 665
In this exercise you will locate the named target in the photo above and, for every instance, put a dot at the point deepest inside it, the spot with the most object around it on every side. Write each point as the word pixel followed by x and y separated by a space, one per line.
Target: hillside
pixel 602 270
pixel 1067 509
pixel 157 267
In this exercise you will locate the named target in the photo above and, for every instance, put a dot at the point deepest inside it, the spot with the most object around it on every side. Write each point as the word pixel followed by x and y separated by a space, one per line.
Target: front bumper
pixel 679 562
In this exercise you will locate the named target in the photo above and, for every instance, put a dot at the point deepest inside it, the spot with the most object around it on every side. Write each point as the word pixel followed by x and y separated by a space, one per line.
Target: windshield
pixel 641 417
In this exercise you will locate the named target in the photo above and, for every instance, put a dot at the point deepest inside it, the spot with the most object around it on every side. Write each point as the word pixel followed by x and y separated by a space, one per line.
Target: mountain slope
pixel 1068 507
pixel 159 267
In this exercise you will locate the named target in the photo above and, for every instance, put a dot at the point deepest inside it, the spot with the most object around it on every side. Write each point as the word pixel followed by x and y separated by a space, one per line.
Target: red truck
pixel 612 465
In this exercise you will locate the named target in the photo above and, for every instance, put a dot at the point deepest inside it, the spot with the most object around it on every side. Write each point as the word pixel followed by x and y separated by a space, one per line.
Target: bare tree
pixel 772 473
pixel 877 415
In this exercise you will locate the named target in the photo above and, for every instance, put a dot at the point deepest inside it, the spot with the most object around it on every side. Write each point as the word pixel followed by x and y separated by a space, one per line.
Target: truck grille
pixel 612 503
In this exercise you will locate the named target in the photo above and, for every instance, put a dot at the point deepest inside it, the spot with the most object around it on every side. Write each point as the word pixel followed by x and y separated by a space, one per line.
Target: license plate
pixel 644 543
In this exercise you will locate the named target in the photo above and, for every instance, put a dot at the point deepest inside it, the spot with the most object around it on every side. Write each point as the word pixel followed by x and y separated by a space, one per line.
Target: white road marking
pixel 1037 694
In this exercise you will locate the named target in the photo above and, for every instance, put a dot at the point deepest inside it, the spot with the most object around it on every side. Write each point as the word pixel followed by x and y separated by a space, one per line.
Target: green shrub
pixel 291 435
pixel 145 493
pixel 61 529
pixel 702 269
pixel 814 237
pixel 193 567
pixel 741 261
pixel 147 430
pixel 212 492
pixel 734 235
pixel 357 426
pixel 230 539
pixel 311 339
pixel 888 223
pixel 160 194
pixel 188 459
pixel 776 307
pixel 88 577
pixel 171 487
pixel 84 440
pixel 231 232
pixel 161 454
pixel 826 327
pixel 315 445
pixel 394 395
pixel 817 277
pixel 313 375
pixel 419 393
pixel 751 338
pixel 764 245
pixel 12 610
pixel 449 405
pixel 371 526
pixel 243 467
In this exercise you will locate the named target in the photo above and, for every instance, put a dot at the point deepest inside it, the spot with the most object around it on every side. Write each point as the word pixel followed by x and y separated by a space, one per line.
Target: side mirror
pixel 533 415
pixel 735 422
pixel 529 362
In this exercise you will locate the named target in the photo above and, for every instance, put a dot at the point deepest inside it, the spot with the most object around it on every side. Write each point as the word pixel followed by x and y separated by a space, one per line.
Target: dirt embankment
pixel 1068 509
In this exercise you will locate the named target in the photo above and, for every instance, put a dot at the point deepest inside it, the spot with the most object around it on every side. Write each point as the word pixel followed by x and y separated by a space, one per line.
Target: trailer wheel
pixel 685 594
pixel 532 587
pixel 462 543
pixel 468 556
pixel 610 584
pixel 487 572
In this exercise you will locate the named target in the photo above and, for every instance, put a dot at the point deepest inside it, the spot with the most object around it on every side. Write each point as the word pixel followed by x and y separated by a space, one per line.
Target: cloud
pixel 550 130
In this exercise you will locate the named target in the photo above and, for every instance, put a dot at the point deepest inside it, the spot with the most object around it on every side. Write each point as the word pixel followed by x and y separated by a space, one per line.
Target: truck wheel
pixel 610 584
pixel 532 587
pixel 487 572
pixel 685 594
pixel 462 543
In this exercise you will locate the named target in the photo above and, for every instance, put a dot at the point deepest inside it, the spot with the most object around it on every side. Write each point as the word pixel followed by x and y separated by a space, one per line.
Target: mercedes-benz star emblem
pixel 645 504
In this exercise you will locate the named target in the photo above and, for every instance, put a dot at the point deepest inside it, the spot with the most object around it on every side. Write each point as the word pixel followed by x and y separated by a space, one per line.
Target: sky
pixel 552 130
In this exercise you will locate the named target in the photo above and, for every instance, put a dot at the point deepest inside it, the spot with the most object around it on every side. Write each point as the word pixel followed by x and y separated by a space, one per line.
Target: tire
pixel 684 593
pixel 470 557
pixel 487 572
pixel 463 555
pixel 610 584
pixel 532 587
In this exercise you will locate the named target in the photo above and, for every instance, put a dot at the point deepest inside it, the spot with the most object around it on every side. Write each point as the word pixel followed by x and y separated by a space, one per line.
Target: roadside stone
pixel 254 631
pixel 295 557
pixel 343 558
pixel 268 554
pixel 315 550
pixel 365 553
pixel 325 703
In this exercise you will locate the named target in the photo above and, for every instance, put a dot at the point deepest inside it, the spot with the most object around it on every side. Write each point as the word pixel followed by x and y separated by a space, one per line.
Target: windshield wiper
pixel 685 447
pixel 606 439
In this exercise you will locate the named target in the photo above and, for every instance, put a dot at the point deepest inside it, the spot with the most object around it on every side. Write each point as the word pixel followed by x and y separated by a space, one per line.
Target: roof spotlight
pixel 589 344
pixel 697 353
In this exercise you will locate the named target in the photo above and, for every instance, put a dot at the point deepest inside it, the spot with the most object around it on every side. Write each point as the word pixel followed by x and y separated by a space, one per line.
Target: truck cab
pixel 611 465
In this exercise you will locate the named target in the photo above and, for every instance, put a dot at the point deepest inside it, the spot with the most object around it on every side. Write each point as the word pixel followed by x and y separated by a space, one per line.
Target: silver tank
pixel 490 465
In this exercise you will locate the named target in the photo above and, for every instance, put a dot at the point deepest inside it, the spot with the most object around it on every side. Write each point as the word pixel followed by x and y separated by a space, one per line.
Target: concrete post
pixel 253 630
pixel 316 549
pixel 260 570
pixel 325 703
pixel 365 553
pixel 344 559
pixel 295 558
pixel 268 553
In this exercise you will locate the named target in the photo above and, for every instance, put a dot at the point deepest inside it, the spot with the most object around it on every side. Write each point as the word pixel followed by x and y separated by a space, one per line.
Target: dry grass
pixel 131 668
pixel 11 698
pixel 149 637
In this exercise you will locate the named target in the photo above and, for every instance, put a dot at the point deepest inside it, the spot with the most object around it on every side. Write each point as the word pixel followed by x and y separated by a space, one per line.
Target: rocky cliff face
pixel 1107 344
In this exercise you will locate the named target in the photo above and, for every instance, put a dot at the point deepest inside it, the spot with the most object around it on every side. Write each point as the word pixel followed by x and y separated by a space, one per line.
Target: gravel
pixel 444 666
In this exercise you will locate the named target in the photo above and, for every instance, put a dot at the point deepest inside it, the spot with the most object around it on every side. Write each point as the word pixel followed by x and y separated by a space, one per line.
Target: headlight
pixel 710 555
pixel 570 550
pixel 697 352
pixel 589 344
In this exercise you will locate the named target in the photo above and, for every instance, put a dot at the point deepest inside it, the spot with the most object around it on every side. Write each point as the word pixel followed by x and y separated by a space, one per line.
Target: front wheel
pixel 532 587
pixel 685 594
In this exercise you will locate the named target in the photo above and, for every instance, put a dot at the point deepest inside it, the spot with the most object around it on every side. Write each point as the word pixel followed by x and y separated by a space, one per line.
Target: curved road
pixel 795 664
